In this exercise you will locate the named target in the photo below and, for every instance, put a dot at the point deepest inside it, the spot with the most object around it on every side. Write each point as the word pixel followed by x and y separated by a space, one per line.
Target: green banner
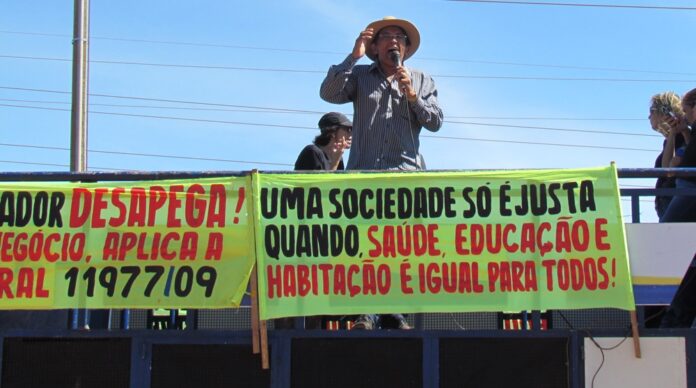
pixel 170 244
pixel 440 242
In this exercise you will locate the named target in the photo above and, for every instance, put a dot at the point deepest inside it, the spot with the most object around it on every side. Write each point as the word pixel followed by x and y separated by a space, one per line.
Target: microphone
pixel 395 56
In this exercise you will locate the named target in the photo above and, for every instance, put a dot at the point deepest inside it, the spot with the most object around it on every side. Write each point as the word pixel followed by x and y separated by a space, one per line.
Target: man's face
pixel 388 39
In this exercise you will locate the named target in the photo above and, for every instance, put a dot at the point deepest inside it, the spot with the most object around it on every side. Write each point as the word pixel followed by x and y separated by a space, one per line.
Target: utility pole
pixel 80 82
pixel 78 117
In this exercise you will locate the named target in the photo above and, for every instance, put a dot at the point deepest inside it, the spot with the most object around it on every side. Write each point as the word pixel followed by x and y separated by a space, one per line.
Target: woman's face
pixel 657 121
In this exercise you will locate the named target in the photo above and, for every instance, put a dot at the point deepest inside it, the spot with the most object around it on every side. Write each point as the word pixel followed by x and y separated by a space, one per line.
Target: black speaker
pixel 208 366
pixel 354 363
pixel 66 362
pixel 504 362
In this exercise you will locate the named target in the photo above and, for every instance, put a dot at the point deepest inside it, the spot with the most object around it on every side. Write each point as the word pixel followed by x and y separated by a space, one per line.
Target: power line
pixel 632 6
pixel 555 129
pixel 261 107
pixel 313 128
pixel 178 43
pixel 549 118
pixel 537 143
pixel 144 154
pixel 257 110
pixel 589 79
pixel 504 63
pixel 277 70
pixel 160 100
pixel 167 117
pixel 207 67
pixel 301 127
pixel 268 110
pixel 553 66
pixel 54 165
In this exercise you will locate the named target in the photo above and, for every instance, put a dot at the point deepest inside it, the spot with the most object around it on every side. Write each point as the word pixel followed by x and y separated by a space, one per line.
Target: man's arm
pixel 426 106
pixel 339 87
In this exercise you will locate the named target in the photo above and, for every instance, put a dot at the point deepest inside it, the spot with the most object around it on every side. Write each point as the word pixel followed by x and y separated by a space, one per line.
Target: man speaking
pixel 391 102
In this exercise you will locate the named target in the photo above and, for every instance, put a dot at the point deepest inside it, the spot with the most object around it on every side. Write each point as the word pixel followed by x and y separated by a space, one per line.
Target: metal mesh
pixel 240 319
pixel 463 321
pixel 138 319
pixel 591 319
pixel 236 319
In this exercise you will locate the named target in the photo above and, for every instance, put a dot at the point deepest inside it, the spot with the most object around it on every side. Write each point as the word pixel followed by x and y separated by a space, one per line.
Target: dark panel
pixel 69 363
pixel 354 363
pixel 208 366
pixel 504 362
pixel 33 319
pixel 591 319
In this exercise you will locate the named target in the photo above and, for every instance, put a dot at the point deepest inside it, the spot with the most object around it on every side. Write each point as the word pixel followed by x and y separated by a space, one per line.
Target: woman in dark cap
pixel 326 152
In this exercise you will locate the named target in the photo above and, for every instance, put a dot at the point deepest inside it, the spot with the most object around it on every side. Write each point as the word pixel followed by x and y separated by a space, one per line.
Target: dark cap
pixel 333 119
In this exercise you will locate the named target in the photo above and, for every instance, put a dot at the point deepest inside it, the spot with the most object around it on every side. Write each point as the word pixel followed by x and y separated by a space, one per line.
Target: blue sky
pixel 248 74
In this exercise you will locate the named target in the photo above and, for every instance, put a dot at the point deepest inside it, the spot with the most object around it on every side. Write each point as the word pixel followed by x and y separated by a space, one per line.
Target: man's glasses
pixel 399 37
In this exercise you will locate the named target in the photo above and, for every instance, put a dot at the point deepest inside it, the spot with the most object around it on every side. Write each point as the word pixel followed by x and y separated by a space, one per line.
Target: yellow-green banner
pixel 440 242
pixel 172 244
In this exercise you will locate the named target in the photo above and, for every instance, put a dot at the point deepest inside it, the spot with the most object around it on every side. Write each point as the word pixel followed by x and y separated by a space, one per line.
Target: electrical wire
pixel 165 117
pixel 549 118
pixel 158 100
pixel 262 109
pixel 277 49
pixel 631 6
pixel 54 165
pixel 259 109
pixel 540 143
pixel 555 129
pixel 209 67
pixel 439 137
pixel 178 43
pixel 96 151
pixel 239 110
pixel 548 66
pixel 594 341
pixel 278 70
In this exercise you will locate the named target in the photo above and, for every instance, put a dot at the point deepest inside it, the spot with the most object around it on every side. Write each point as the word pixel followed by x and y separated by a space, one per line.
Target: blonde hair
pixel 662 104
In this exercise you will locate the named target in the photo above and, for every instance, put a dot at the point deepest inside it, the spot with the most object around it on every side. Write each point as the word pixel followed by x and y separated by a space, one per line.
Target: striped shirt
pixel 385 125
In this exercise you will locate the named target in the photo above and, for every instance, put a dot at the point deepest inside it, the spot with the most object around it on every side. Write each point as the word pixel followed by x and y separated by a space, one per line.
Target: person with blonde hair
pixel 682 208
pixel 665 107
pixel 682 311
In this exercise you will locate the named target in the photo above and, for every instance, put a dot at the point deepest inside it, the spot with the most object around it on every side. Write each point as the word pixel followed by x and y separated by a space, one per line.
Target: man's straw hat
pixel 408 27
